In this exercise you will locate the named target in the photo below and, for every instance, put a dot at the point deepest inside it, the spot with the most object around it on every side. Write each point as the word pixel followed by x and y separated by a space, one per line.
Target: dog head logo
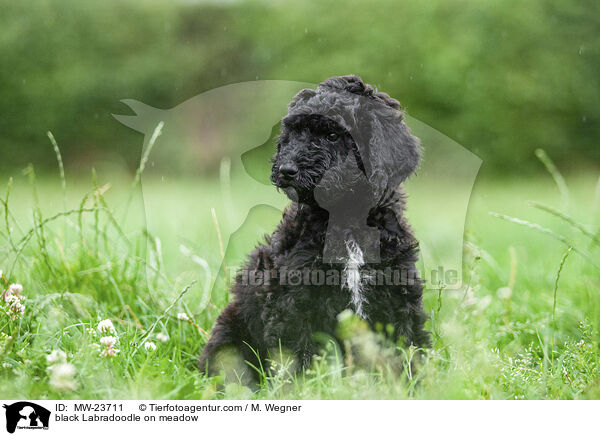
pixel 240 124
pixel 26 415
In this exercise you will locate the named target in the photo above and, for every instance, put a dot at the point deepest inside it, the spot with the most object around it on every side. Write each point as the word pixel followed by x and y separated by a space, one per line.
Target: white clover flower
pixel 106 327
pixel 183 316
pixel 162 337
pixel 18 309
pixel 15 309
pixel 11 299
pixel 150 346
pixel 61 377
pixel 16 290
pixel 110 352
pixel 109 342
pixel 56 356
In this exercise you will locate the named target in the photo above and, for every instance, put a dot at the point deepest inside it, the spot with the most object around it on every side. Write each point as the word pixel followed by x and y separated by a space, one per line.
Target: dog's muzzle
pixel 286 174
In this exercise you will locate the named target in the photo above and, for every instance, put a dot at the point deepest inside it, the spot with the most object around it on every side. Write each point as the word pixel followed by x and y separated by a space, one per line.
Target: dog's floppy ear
pixel 389 151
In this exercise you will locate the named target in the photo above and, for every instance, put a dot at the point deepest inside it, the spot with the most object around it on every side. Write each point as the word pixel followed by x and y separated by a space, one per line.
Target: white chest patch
pixel 352 277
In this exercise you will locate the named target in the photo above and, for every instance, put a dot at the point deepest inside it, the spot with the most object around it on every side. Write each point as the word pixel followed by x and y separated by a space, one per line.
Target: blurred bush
pixel 501 77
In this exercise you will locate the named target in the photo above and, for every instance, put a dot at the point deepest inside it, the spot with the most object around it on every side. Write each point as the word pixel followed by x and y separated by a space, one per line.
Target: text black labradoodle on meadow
pixel 343 243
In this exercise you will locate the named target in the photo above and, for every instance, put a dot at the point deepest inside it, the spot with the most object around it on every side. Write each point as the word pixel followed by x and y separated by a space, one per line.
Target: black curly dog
pixel 343 151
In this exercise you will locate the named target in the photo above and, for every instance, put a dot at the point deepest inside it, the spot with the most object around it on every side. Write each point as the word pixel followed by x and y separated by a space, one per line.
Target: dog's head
pixel 343 118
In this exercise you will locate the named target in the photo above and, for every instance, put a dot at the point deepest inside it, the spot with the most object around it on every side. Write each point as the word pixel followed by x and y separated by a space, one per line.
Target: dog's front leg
pixel 226 353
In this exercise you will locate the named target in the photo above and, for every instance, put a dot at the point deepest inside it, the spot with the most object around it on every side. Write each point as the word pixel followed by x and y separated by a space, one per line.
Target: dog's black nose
pixel 288 170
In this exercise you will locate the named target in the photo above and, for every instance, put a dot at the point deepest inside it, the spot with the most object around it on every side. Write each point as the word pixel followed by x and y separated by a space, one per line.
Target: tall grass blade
pixel 164 314
pixel 596 201
pixel 225 182
pixel 560 268
pixel 25 239
pixel 566 218
pixel 206 294
pixel 138 174
pixel 6 215
pixel 61 168
pixel 38 219
pixel 547 232
pixel 221 246
pixel 556 175
pixel 101 202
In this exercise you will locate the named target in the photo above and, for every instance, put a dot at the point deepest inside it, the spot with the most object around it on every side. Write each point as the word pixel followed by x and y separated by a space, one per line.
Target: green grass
pixel 525 327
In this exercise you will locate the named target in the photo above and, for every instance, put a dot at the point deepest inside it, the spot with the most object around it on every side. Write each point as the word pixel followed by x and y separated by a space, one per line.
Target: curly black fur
pixel 330 138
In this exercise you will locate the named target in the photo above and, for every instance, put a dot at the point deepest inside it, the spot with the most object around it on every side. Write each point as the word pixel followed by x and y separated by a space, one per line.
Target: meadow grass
pixel 524 326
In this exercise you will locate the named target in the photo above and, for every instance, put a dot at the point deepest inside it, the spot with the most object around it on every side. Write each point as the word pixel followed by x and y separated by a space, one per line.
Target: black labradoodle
pixel 343 243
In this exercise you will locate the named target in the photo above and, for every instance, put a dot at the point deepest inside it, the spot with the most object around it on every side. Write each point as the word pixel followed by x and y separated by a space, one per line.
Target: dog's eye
pixel 332 137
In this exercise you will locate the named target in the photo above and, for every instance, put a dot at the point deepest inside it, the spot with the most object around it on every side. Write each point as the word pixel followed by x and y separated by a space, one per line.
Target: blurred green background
pixel 500 77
